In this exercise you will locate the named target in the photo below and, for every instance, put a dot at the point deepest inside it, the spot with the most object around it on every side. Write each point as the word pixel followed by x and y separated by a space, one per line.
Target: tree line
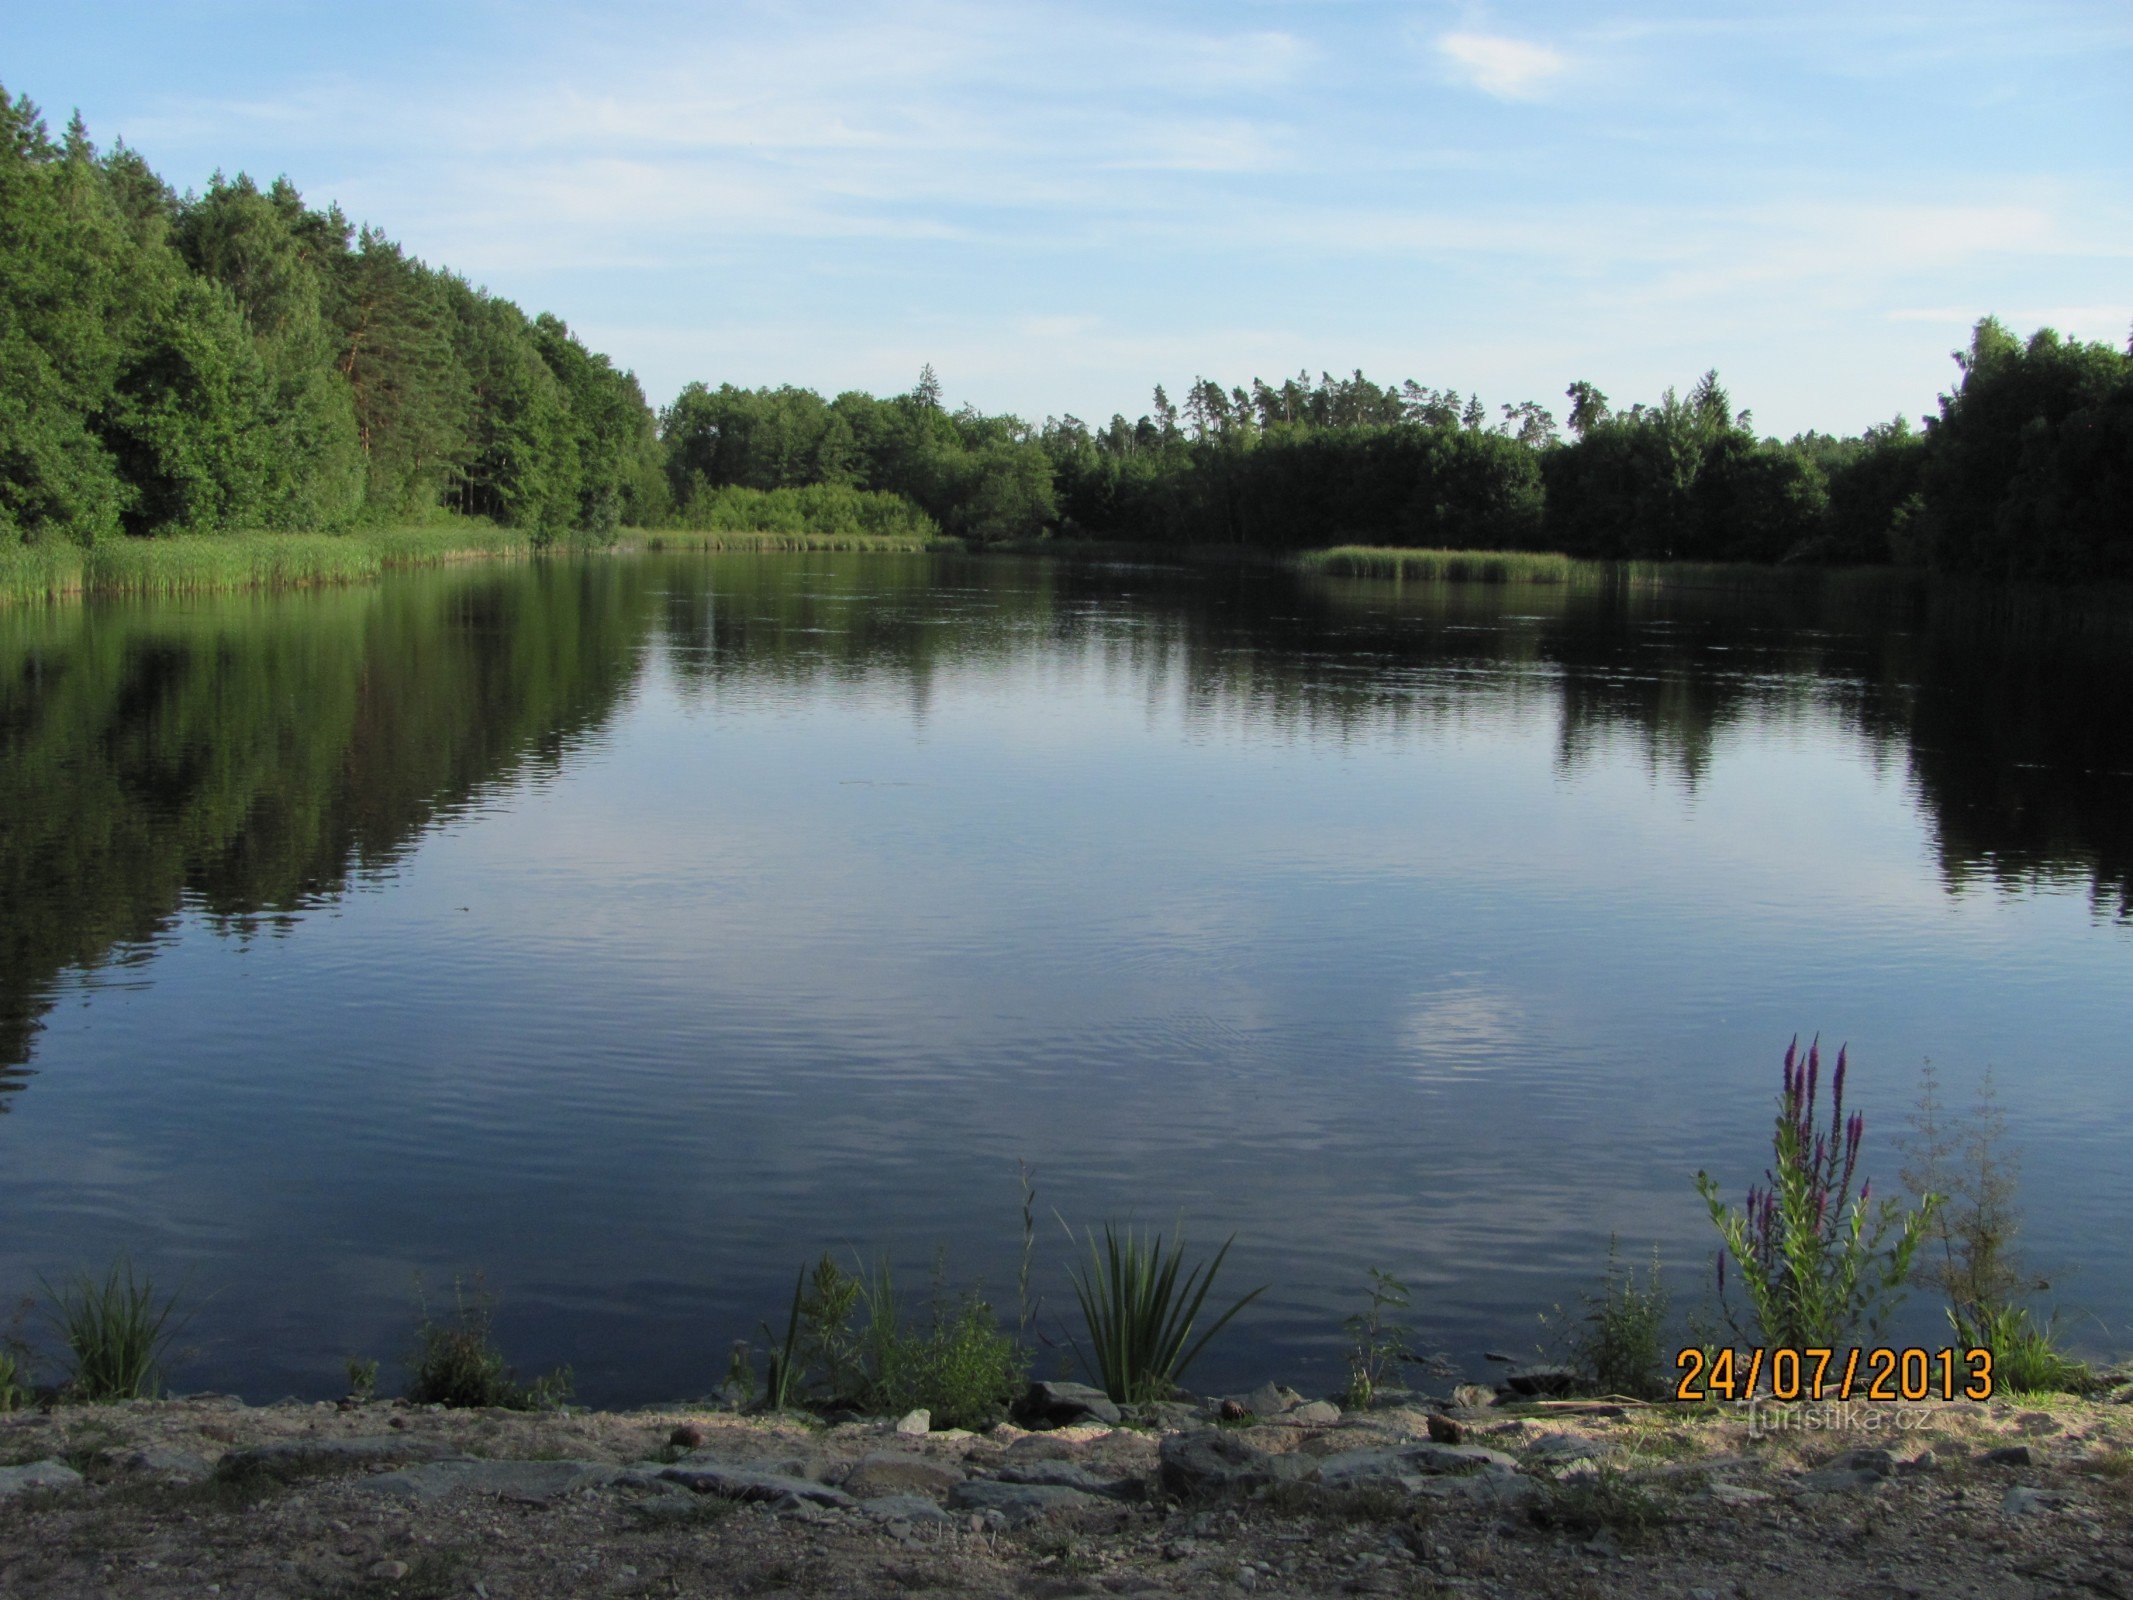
pixel 238 360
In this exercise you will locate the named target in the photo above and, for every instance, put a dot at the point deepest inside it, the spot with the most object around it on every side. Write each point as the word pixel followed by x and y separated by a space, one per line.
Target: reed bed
pixel 1552 567
pixel 735 539
pixel 208 564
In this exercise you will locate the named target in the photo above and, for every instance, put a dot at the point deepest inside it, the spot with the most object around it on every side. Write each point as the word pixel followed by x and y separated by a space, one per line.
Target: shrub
pixel 1816 1260
pixel 12 1389
pixel 118 1333
pixel 1974 1262
pixel 1620 1346
pixel 456 1361
pixel 1139 1316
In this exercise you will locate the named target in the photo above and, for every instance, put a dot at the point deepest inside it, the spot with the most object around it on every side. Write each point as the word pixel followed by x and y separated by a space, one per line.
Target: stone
pixel 1837 1480
pixel 736 1482
pixel 1019 1504
pixel 1212 1461
pixel 1444 1430
pixel 888 1473
pixel 1734 1494
pixel 916 1422
pixel 1878 1462
pixel 1407 1465
pixel 2022 1502
pixel 38 1475
pixel 1563 1447
pixel 1058 1405
pixel 1496 1491
pixel 1473 1397
pixel 2013 1455
pixel 389 1571
pixel 1535 1381
pixel 1070 1475
pixel 690 1436
pixel 1314 1412
pixel 1233 1411
pixel 533 1482
pixel 181 1465
pixel 911 1508
pixel 1270 1400
pixel 1167 1415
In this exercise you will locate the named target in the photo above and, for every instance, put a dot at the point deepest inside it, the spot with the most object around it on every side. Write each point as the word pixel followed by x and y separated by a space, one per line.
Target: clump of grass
pixel 2026 1358
pixel 456 1360
pixel 1140 1316
pixel 1602 1500
pixel 362 1378
pixel 1817 1260
pixel 13 1391
pixel 117 1332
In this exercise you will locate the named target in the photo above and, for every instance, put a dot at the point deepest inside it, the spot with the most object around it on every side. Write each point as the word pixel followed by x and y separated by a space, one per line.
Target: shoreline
pixel 1472 1494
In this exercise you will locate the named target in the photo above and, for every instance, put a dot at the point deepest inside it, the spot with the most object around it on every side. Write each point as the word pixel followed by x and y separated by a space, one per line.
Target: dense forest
pixel 236 360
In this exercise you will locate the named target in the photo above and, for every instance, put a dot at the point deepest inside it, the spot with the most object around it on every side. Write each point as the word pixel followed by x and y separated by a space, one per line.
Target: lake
pixel 634 929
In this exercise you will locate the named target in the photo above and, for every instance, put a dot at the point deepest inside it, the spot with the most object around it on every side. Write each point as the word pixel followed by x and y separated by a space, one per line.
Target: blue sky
pixel 1062 205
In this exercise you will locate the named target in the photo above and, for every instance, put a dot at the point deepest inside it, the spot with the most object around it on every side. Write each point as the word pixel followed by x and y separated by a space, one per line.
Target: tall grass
pixel 118 1333
pixel 212 563
pixel 1552 567
pixel 1140 1315
pixel 1450 566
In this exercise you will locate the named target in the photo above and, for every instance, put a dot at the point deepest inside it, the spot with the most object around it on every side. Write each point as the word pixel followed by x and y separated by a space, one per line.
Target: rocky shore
pixel 1472 1494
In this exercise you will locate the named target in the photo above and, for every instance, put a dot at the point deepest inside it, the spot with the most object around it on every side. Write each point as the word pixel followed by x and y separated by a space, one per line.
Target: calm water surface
pixel 633 930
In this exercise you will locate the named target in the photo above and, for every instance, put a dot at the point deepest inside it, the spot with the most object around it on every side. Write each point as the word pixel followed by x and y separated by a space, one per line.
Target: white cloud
pixel 1510 69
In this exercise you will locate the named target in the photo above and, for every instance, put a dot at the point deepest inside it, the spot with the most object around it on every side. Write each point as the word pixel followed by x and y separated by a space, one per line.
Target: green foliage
pixel 1139 1316
pixel 456 1361
pixel 1817 1262
pixel 1620 1346
pixel 234 360
pixel 810 514
pixel 14 1391
pixel 1379 1341
pixel 848 1343
pixel 118 1333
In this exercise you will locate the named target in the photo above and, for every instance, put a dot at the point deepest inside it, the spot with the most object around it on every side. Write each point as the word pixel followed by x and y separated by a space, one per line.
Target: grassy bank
pixel 222 562
pixel 1549 567
pixel 736 539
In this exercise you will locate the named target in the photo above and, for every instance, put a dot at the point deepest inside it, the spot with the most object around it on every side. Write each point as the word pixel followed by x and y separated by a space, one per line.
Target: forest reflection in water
pixel 228 768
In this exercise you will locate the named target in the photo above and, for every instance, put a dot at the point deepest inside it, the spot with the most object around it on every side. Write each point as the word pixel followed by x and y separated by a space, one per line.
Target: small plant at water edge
pixel 117 1333
pixel 12 1389
pixel 362 1378
pixel 456 1361
pixel 1140 1316
pixel 1379 1342
pixel 1817 1260
pixel 1620 1347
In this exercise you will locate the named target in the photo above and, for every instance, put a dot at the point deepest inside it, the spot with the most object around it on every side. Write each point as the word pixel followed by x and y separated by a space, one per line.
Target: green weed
pixel 117 1333
pixel 1139 1316
pixel 456 1361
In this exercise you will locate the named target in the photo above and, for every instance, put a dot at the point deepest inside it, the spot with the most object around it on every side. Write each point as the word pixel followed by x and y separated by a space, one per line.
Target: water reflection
pixel 633 927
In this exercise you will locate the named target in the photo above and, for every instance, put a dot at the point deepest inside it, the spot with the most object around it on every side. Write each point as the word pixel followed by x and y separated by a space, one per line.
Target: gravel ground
pixel 207 1496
